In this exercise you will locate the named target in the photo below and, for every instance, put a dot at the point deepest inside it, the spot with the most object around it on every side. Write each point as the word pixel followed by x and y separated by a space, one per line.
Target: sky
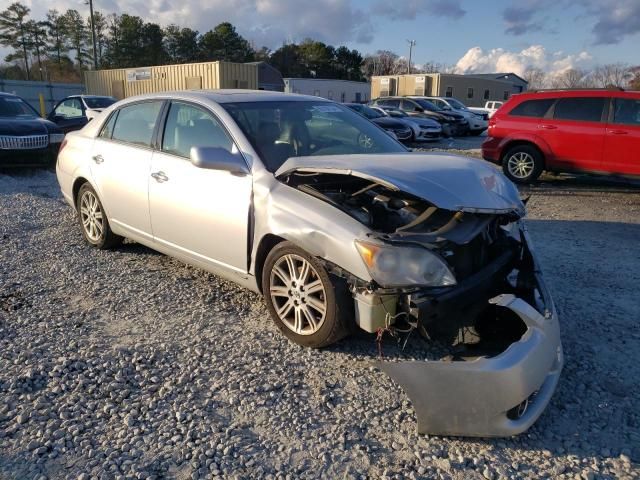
pixel 475 35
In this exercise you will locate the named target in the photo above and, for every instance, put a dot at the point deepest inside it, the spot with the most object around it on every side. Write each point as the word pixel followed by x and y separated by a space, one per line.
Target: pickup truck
pixel 490 108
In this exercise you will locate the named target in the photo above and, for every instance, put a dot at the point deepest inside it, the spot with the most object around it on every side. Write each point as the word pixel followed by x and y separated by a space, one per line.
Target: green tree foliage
pixel 76 31
pixel 14 33
pixel 224 43
pixel 62 46
pixel 37 42
pixel 316 59
pixel 181 44
pixel 57 46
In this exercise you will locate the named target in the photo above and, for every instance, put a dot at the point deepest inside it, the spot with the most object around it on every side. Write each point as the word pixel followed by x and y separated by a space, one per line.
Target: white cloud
pixel 477 60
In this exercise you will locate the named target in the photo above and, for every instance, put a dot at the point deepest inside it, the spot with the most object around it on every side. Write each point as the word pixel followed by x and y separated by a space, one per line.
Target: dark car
pixel 399 128
pixel 25 138
pixel 74 112
pixel 453 124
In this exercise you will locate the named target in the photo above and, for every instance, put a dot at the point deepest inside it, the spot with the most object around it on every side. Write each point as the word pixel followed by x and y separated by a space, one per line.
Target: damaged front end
pixel 456 266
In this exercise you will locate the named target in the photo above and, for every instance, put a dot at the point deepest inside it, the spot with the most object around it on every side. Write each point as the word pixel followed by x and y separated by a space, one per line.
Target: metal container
pixel 126 82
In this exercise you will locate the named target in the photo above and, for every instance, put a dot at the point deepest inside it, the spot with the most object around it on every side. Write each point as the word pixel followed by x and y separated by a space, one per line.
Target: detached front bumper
pixel 487 397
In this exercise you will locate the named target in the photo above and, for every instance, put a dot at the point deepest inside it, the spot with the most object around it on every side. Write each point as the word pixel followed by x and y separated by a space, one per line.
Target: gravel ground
pixel 128 364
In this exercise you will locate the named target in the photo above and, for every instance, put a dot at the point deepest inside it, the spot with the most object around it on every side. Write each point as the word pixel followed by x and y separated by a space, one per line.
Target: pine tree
pixel 14 33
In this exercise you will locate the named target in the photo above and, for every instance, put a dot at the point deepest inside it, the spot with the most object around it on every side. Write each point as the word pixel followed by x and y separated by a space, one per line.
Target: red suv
pixel 595 131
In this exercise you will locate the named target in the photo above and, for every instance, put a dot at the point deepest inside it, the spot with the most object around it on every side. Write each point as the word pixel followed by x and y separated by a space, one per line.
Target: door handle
pixel 545 126
pixel 160 177
pixel 98 159
pixel 618 132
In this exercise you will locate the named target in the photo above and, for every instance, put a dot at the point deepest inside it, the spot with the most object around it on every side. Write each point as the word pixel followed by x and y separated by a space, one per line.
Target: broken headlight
pixel 404 266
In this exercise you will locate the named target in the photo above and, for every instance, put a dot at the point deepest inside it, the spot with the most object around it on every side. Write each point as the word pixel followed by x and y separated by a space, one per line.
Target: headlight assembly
pixel 56 137
pixel 392 266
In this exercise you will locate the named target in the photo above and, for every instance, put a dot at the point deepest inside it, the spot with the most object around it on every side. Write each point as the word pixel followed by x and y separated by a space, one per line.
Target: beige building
pixel 126 82
pixel 472 90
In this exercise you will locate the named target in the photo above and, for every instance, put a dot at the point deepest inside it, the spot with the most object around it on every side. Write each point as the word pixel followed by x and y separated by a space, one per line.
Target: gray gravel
pixel 128 364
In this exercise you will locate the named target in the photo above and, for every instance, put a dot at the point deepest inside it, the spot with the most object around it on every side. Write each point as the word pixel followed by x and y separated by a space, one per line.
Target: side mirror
pixel 446 107
pixel 216 158
pixel 55 118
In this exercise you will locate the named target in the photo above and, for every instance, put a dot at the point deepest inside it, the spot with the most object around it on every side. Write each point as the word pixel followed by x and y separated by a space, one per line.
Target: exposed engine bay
pixel 484 251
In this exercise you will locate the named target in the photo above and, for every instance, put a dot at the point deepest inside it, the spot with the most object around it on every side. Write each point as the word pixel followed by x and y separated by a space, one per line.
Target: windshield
pixel 368 112
pixel 280 130
pixel 99 102
pixel 456 104
pixel 16 107
pixel 397 113
pixel 427 105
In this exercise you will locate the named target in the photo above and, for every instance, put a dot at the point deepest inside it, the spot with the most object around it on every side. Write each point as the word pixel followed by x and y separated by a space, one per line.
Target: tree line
pixel 60 46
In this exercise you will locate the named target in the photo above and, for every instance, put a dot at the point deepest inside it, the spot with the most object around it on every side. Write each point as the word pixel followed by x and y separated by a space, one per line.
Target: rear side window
pixel 107 129
pixel 390 103
pixel 532 108
pixel 188 126
pixel 580 109
pixel 626 111
pixel 135 123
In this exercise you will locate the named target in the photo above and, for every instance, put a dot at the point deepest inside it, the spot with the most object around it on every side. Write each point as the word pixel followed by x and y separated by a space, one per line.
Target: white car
pixel 478 121
pixel 424 129
pixel 489 108
pixel 74 112
pixel 340 227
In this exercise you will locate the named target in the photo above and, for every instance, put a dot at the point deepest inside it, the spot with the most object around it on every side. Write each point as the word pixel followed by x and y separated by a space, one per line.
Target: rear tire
pixel 523 164
pixel 310 307
pixel 93 220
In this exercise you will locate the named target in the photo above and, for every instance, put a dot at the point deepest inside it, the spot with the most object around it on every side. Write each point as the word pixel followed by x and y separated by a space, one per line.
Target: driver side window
pixel 189 126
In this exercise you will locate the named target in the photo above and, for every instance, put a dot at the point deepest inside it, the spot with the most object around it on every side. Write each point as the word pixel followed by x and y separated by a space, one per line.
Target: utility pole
pixel 411 45
pixel 93 36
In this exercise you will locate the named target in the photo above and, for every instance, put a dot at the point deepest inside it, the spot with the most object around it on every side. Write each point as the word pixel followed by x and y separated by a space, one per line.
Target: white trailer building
pixel 336 90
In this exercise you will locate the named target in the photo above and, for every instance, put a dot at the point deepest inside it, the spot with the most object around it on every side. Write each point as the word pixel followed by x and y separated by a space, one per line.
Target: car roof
pixel 578 92
pixel 7 94
pixel 229 96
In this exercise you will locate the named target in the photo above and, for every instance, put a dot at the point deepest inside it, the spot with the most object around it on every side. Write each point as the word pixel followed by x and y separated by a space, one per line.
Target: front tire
pixel 309 307
pixel 523 164
pixel 93 220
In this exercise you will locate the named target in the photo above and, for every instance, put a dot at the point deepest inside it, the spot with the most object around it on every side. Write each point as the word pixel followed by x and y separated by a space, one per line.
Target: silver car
pixel 339 227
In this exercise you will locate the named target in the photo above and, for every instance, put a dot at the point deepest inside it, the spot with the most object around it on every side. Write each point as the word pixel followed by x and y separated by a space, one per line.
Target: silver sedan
pixel 339 227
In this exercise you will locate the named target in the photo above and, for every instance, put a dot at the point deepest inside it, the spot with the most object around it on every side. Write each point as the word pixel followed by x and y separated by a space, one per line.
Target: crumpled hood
pixel 450 182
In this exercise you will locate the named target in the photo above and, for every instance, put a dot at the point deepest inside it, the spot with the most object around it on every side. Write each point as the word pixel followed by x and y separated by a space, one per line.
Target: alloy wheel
pixel 92 216
pixel 298 294
pixel 521 165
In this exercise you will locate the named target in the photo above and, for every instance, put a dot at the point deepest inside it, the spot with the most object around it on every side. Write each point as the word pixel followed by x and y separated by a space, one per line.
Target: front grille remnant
pixel 31 142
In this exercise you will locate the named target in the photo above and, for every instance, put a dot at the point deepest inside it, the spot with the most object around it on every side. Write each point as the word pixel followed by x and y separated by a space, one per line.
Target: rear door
pixel 574 130
pixel 196 212
pixel 121 163
pixel 622 139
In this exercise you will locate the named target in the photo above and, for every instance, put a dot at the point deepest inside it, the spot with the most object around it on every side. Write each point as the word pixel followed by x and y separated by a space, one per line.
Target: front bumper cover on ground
pixel 474 398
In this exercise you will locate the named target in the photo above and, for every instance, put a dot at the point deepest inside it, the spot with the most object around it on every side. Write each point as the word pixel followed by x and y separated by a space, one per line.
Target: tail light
pixel 492 122
pixel 62 145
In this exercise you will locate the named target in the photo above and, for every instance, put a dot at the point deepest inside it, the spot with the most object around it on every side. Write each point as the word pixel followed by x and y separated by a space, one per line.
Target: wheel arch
pixel 77 184
pixel 267 243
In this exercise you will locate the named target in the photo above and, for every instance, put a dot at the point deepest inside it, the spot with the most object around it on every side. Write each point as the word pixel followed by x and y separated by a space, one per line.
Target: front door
pixel 69 115
pixel 197 212
pixel 622 140
pixel 121 163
